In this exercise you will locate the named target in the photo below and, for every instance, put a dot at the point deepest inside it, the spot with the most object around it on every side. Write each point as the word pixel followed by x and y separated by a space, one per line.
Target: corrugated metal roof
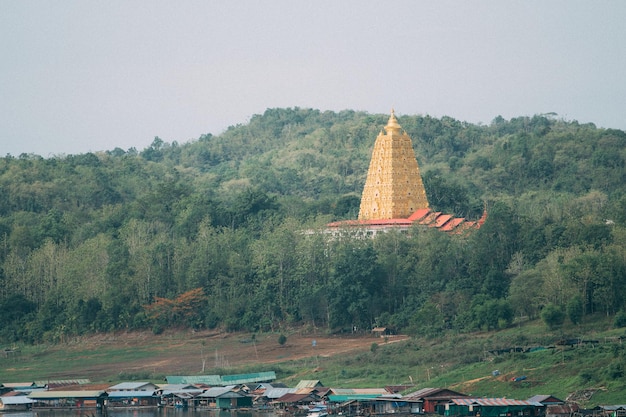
pixel 130 386
pixel 195 379
pixel 46 395
pixel 19 384
pixel 217 380
pixel 343 398
pixel 273 393
pixel 613 407
pixel 62 382
pixel 176 387
pixel 294 398
pixel 309 383
pixel 217 391
pixel 132 394
pixel 359 391
pixel 16 400
pixel 182 392
pixel 542 398
pixel 421 394
pixel 247 378
pixel 490 402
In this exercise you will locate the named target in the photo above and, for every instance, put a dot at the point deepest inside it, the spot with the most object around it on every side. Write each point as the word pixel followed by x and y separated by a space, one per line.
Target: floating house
pixel 15 401
pixel 131 399
pixel 491 407
pixel 430 400
pixel 68 399
pixel 224 398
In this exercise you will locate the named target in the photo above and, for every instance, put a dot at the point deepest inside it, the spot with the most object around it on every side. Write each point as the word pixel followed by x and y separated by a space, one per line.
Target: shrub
pixel 553 316
pixel 620 319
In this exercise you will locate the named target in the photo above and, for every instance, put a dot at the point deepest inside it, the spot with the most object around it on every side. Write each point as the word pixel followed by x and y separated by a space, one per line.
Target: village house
pixel 430 400
pixel 89 399
pixel 133 386
pixel 224 398
pixel 309 397
pixel 15 401
pixel 491 407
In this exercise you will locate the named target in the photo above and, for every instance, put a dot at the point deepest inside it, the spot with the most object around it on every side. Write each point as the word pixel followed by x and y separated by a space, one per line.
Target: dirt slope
pixel 192 353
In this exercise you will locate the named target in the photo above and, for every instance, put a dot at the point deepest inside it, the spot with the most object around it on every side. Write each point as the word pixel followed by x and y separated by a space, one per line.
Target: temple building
pixel 394 196
pixel 393 188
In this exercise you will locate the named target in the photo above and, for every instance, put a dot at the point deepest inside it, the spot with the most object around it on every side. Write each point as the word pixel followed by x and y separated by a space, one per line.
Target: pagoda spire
pixel 392 124
pixel 393 187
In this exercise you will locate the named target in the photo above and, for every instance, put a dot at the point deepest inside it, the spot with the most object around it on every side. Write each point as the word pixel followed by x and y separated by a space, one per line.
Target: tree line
pixel 217 232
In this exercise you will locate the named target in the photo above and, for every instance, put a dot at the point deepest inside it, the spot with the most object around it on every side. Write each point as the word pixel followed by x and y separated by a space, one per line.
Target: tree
pixel 575 309
pixel 354 281
pixel 186 309
pixel 553 316
pixel 282 339
pixel 525 291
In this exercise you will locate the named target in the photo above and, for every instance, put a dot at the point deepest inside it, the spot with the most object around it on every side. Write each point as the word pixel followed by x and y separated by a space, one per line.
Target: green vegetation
pixel 212 233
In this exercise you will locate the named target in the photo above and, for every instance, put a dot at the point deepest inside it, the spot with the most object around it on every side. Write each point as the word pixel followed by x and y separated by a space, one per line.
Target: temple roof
pixel 422 217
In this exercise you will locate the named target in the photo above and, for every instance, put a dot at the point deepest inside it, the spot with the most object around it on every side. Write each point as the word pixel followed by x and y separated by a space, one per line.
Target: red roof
pixel 430 218
pixel 441 220
pixel 452 224
pixel 425 217
pixel 419 214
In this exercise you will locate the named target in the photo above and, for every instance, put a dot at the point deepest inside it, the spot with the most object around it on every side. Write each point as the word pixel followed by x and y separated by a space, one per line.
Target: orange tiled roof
pixel 424 217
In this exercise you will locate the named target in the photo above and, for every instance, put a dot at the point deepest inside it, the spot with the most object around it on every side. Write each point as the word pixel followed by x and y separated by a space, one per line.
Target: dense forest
pixel 216 232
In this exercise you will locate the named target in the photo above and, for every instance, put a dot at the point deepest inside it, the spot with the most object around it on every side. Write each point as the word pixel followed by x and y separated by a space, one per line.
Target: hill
pixel 215 233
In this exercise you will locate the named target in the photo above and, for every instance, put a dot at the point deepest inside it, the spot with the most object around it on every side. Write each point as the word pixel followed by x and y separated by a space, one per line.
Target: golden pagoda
pixel 394 197
pixel 393 188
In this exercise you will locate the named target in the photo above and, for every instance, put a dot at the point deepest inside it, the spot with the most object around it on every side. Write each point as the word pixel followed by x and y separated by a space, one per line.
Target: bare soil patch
pixel 193 353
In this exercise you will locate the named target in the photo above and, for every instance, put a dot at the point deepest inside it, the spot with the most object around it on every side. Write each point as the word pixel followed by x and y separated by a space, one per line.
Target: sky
pixel 82 76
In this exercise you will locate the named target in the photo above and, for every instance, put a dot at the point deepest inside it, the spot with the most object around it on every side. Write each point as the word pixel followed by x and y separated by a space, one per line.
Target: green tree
pixel 553 316
pixel 575 309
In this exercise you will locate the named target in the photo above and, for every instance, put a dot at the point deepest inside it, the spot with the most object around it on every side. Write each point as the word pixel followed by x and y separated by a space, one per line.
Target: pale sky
pixel 81 75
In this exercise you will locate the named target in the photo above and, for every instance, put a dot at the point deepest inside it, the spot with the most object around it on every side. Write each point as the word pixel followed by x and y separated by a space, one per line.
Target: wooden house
pixel 430 400
pixel 224 398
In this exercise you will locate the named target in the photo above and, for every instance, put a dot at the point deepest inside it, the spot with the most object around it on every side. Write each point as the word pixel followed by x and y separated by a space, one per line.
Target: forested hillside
pixel 211 233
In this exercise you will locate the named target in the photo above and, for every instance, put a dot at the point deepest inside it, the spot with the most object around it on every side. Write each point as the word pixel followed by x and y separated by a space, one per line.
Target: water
pixel 148 412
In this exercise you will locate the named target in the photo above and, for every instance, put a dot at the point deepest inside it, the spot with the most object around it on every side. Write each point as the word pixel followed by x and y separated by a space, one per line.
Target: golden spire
pixel 393 187
pixel 392 124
